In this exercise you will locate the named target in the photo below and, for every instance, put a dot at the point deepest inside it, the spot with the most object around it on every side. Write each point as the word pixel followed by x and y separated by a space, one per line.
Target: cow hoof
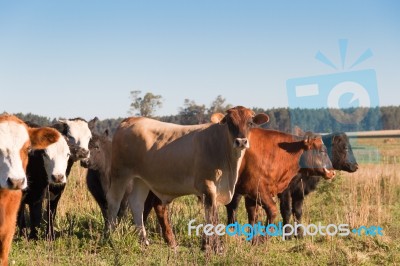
pixel 145 242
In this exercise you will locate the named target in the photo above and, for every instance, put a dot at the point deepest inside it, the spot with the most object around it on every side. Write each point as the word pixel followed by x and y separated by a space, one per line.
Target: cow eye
pixel 251 124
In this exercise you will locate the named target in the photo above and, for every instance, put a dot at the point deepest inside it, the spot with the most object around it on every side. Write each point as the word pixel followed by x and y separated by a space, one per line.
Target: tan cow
pixel 16 139
pixel 173 160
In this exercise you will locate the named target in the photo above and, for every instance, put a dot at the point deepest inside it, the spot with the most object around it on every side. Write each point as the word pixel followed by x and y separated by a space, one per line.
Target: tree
pixel 145 106
pixel 192 113
pixel 219 105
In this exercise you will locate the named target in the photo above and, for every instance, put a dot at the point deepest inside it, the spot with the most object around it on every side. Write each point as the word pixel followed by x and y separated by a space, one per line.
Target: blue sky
pixel 82 58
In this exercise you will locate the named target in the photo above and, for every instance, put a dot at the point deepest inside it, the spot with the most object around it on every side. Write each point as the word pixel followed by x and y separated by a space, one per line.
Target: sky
pixel 82 58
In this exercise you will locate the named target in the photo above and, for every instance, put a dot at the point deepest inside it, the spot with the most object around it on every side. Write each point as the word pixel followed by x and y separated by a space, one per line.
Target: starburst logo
pixel 348 94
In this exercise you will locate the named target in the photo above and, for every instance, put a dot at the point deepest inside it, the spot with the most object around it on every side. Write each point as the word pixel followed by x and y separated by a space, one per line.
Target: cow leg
pixel 5 243
pixel 232 207
pixel 52 209
pixel 162 216
pixel 35 215
pixel 148 205
pixel 95 188
pixel 251 209
pixel 21 222
pixel 8 221
pixel 297 208
pixel 211 213
pixel 136 202
pixel 285 207
pixel 115 194
pixel 123 206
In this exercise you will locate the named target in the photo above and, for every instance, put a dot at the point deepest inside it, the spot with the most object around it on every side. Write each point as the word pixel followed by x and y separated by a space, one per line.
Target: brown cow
pixel 271 163
pixel 16 139
pixel 173 160
pixel 97 180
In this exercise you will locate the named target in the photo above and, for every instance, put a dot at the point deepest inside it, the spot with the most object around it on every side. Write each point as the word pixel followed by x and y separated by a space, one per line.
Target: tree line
pixel 283 119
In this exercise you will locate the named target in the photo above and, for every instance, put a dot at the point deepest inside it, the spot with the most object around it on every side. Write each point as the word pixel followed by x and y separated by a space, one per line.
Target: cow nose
pixel 85 153
pixel 16 183
pixel 356 166
pixel 242 143
pixel 85 163
pixel 57 178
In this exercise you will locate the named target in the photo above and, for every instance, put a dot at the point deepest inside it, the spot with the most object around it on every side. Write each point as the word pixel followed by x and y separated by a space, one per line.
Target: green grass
pixel 371 196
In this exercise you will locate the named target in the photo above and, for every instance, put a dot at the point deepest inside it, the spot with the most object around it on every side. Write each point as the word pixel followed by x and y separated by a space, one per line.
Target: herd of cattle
pixel 149 163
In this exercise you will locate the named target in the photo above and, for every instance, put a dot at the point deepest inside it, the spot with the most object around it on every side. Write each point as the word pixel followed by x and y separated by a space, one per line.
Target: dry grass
pixel 371 196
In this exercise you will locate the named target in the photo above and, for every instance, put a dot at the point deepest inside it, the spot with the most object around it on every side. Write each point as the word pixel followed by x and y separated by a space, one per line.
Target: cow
pixel 342 157
pixel 77 132
pixel 97 180
pixel 47 166
pixel 269 166
pixel 16 140
pixel 98 173
pixel 174 160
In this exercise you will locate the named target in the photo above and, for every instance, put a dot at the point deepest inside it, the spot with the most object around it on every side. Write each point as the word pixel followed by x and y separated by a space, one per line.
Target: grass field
pixel 371 196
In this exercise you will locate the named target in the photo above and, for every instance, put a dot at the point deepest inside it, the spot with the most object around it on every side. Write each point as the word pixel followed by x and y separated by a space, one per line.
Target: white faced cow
pixel 54 164
pixel 47 166
pixel 173 160
pixel 16 140
pixel 78 133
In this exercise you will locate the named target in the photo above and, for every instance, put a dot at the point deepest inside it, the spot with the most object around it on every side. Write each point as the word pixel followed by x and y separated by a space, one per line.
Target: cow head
pixel 78 134
pixel 315 159
pixel 340 152
pixel 55 158
pixel 239 121
pixel 16 140
pixel 99 146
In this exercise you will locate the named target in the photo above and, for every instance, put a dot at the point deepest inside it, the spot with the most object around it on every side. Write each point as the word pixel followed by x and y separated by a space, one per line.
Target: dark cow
pixel 77 133
pixel 173 160
pixel 16 140
pixel 269 166
pixel 342 157
pixel 98 174
pixel 98 180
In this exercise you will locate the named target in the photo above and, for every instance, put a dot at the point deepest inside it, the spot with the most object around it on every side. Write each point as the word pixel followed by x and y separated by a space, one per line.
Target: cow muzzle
pixel 329 174
pixel 79 153
pixel 241 143
pixel 16 183
pixel 85 163
pixel 58 179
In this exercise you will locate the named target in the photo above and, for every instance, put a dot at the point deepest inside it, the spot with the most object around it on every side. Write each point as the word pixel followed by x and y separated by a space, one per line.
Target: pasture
pixel 371 196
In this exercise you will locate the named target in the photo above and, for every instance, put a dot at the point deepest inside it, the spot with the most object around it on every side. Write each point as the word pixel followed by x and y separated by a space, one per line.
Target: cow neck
pixel 223 145
pixel 107 158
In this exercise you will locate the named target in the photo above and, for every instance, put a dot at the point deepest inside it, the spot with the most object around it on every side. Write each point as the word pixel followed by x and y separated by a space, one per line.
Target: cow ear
pixel 298 131
pixel 218 118
pixel 43 137
pixel 61 126
pixel 260 119
pixel 92 123
pixel 308 141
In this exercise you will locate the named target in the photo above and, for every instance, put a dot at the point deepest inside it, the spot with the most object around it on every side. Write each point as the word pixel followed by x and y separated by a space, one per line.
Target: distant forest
pixel 283 119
